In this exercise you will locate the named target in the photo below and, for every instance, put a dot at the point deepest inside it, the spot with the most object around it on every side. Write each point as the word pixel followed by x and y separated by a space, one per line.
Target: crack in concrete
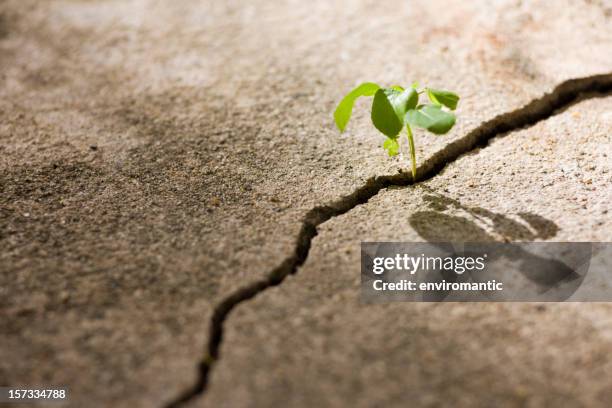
pixel 562 97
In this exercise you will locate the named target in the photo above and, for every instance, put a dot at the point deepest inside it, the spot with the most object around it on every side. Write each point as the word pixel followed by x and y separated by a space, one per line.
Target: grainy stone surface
pixel 155 156
pixel 309 342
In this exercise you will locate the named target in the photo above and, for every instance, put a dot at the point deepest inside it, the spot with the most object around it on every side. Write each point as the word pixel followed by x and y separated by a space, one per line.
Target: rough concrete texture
pixel 309 342
pixel 155 156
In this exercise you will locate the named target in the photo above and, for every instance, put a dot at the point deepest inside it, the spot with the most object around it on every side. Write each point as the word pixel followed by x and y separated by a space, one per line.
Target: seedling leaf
pixel 402 101
pixel 440 97
pixel 432 118
pixel 343 112
pixel 384 117
pixel 396 107
pixel 391 146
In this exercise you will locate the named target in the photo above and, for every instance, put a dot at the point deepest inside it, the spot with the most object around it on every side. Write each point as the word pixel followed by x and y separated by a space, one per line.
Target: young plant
pixel 395 108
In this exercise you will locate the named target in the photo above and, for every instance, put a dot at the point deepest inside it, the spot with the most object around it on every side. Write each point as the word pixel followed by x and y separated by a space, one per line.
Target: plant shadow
pixel 435 225
pixel 447 222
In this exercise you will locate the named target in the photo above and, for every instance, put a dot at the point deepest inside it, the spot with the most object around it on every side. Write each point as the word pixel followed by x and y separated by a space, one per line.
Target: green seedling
pixel 395 108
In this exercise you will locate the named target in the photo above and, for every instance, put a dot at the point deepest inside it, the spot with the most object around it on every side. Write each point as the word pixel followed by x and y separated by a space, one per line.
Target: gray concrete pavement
pixel 156 156
pixel 309 341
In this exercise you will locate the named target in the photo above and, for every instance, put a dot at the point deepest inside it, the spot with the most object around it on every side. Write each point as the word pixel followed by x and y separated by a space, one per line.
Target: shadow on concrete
pixel 434 225
pixel 549 277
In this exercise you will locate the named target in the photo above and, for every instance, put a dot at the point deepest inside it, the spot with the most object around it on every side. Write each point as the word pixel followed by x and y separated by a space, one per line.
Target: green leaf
pixel 391 146
pixel 343 112
pixel 384 117
pixel 397 88
pixel 432 118
pixel 441 97
pixel 402 101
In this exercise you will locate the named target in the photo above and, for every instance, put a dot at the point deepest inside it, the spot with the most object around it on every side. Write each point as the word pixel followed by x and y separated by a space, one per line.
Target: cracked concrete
pixel 308 342
pixel 561 98
pixel 156 156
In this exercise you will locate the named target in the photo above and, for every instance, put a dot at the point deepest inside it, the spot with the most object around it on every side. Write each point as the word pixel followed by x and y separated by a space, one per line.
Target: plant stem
pixel 412 151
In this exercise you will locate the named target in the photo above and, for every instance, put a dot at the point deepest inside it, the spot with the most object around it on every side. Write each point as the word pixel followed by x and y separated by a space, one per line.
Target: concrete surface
pixel 309 342
pixel 155 156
